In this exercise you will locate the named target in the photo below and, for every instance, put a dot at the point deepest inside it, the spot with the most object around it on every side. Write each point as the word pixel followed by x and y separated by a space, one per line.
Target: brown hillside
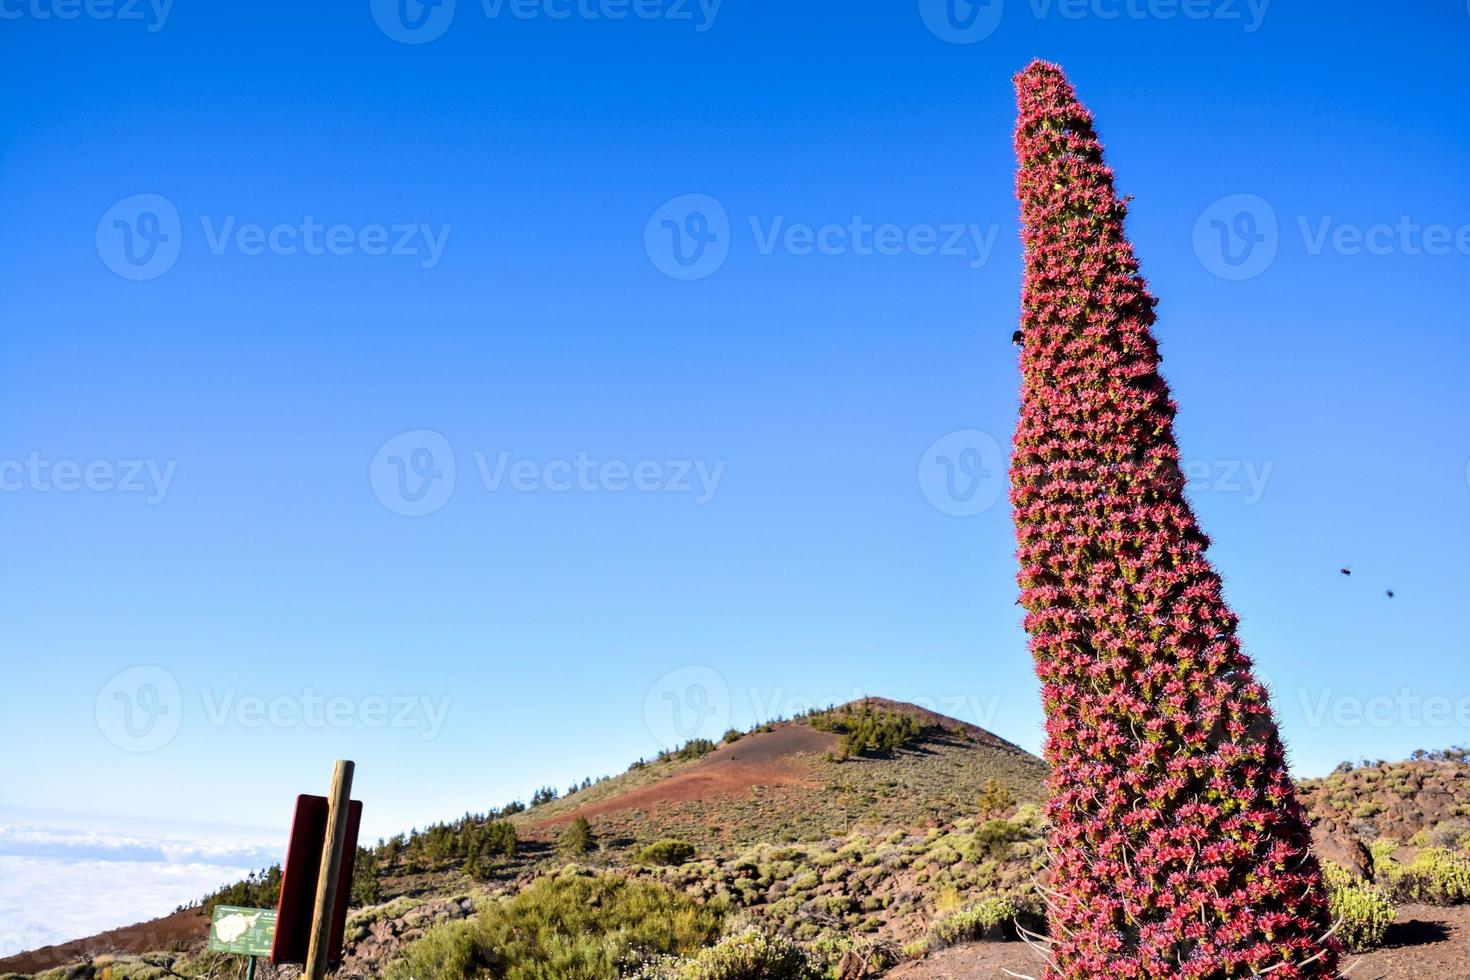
pixel 785 783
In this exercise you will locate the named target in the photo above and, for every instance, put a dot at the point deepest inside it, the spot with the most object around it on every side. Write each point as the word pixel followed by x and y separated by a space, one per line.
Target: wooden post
pixel 327 885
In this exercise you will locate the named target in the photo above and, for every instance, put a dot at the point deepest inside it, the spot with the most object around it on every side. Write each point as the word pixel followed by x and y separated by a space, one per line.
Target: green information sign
pixel 248 932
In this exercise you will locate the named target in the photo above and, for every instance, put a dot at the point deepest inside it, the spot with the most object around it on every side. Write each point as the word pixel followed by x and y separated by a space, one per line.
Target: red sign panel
pixel 299 881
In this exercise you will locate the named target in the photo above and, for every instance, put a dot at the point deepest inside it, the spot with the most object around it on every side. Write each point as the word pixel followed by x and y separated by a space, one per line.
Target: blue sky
pixel 638 475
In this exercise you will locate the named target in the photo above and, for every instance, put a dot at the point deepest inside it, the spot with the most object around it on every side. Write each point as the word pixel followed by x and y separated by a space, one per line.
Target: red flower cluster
pixel 1179 848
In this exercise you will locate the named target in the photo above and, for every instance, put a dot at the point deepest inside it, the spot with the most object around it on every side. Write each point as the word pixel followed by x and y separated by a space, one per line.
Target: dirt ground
pixel 1426 943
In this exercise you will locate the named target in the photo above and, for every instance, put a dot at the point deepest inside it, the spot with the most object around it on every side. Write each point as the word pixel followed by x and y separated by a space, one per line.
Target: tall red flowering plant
pixel 1179 849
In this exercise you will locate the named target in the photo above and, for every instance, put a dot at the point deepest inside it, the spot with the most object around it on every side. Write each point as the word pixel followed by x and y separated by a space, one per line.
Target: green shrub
pixel 916 950
pixel 995 797
pixel 1383 850
pixel 1453 835
pixel 576 839
pixel 995 837
pixel 1436 876
pixel 993 917
pixel 667 852
pixel 452 951
pixel 1362 911
pixel 591 927
pixel 748 955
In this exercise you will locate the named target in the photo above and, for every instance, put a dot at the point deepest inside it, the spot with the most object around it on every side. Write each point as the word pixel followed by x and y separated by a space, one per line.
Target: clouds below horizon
pixel 63 883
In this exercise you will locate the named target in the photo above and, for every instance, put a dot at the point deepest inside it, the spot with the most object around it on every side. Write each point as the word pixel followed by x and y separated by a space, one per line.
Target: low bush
pixel 1362 911
pixel 577 840
pixel 667 852
pixel 592 927
pixel 995 837
pixel 1436 876
pixel 748 955
pixel 452 951
pixel 993 917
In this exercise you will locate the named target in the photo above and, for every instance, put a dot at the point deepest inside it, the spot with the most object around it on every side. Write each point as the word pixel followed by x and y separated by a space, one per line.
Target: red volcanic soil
pixel 170 932
pixel 760 759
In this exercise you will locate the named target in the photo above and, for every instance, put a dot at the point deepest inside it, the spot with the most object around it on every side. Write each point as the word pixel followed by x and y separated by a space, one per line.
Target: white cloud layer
pixel 59 883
